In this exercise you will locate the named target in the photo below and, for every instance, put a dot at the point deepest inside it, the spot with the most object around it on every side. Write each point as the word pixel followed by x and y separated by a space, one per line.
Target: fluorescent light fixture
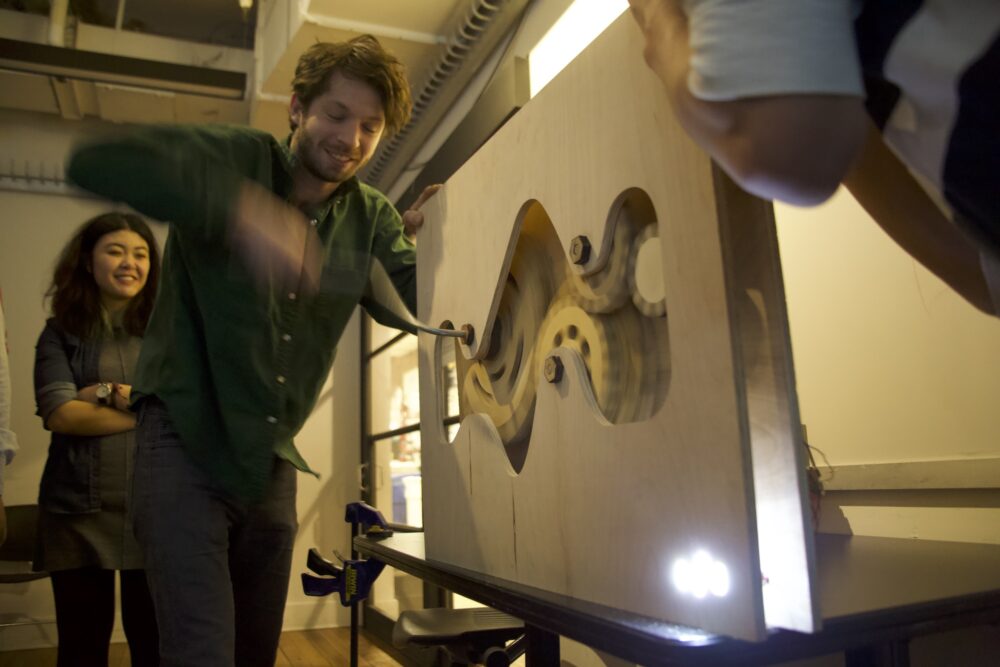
pixel 575 29
pixel 700 575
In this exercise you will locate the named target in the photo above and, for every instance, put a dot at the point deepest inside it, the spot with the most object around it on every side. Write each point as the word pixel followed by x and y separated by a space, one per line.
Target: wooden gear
pixel 673 428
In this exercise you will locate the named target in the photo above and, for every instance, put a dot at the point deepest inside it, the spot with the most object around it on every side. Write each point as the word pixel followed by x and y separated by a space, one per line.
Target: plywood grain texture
pixel 601 508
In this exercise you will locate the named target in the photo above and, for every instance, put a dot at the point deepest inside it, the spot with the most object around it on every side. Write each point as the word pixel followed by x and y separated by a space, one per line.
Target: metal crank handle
pixel 466 333
pixel 382 294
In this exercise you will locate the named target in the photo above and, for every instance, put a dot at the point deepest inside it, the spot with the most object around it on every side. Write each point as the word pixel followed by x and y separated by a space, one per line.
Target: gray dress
pixel 101 539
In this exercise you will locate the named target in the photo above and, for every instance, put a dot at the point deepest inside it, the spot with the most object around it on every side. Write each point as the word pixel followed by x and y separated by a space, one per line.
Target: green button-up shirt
pixel 239 367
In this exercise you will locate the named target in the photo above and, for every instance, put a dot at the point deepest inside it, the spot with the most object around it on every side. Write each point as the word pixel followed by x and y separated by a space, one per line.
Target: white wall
pixel 892 364
pixel 893 369
pixel 33 228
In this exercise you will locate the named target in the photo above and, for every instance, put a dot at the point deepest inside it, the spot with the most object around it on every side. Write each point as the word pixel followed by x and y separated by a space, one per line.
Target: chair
pixel 469 636
pixel 17 553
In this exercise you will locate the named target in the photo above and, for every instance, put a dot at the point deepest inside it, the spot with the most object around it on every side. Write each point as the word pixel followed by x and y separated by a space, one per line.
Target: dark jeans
pixel 85 614
pixel 217 567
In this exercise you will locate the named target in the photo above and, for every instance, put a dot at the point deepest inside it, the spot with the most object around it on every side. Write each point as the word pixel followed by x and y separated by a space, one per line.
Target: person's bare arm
pixel 890 194
pixel 794 148
pixel 83 418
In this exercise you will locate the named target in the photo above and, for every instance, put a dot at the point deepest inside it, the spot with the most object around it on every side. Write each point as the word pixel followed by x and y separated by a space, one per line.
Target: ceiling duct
pixel 69 63
pixel 484 25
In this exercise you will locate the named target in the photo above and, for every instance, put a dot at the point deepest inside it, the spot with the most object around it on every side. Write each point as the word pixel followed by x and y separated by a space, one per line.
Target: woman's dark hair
pixel 75 296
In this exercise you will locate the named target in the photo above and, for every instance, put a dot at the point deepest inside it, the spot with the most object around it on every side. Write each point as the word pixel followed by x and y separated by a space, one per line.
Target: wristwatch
pixel 104 390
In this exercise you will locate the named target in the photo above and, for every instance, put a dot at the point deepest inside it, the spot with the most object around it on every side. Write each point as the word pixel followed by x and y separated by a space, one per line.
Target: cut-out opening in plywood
pixel 614 318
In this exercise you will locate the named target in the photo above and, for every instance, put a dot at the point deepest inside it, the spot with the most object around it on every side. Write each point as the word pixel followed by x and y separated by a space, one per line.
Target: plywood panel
pixel 610 493
pixel 778 454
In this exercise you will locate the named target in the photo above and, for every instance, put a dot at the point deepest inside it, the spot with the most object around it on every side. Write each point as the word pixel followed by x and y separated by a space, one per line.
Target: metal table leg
pixel 890 654
pixel 543 647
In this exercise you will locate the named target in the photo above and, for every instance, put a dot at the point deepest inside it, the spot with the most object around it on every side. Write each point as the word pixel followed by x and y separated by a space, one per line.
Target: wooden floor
pixel 307 648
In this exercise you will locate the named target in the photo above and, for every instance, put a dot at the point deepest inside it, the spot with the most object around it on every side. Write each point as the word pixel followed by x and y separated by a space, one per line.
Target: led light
pixel 700 576
pixel 575 29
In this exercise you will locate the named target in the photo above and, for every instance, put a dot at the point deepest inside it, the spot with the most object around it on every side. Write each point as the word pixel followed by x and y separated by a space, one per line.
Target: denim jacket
pixel 63 364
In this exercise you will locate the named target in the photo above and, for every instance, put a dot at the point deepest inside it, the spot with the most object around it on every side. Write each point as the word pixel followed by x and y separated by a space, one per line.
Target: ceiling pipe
pixel 376 29
pixel 57 22
pixel 478 20
pixel 120 15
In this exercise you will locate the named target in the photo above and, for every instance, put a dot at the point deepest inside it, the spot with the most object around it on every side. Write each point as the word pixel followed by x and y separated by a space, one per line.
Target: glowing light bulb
pixel 700 575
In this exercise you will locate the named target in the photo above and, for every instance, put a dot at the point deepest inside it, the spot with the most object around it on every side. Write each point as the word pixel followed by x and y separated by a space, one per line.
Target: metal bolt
pixel 579 250
pixel 553 369
pixel 470 334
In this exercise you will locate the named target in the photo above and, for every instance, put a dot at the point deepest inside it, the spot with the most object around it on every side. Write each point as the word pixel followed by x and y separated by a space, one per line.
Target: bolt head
pixel 579 250
pixel 553 369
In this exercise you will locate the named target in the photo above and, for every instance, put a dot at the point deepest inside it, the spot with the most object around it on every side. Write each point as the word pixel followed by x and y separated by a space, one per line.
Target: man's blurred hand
pixel 275 240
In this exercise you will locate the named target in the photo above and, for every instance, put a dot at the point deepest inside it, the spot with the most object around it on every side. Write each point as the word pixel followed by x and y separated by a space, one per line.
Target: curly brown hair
pixel 364 59
pixel 75 296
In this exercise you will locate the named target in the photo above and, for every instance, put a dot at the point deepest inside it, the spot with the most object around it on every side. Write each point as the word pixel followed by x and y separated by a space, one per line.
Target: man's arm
pixel 207 182
pixel 794 147
pixel 890 194
pixel 394 245
pixel 188 176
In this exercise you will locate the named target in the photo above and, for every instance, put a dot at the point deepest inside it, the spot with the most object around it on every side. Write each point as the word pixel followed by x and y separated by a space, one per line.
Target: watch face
pixel 103 390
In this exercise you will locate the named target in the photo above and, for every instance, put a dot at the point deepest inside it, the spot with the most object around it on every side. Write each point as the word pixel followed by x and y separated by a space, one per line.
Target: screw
pixel 553 369
pixel 470 334
pixel 579 250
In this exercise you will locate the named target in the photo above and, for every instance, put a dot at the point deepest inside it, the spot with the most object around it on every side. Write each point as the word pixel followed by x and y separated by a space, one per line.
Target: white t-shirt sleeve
pixel 753 48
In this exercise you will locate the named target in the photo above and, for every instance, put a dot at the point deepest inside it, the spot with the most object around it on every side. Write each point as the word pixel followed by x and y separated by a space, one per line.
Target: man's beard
pixel 311 156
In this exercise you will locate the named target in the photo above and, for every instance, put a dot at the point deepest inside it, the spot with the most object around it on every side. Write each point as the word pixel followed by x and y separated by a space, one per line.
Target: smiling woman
pixel 120 265
pixel 108 261
pixel 101 295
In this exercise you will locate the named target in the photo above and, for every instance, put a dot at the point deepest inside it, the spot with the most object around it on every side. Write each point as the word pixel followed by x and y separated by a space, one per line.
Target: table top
pixel 871 590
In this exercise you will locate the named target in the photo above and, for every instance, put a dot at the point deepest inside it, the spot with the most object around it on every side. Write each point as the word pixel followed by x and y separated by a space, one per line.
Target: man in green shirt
pixel 268 254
